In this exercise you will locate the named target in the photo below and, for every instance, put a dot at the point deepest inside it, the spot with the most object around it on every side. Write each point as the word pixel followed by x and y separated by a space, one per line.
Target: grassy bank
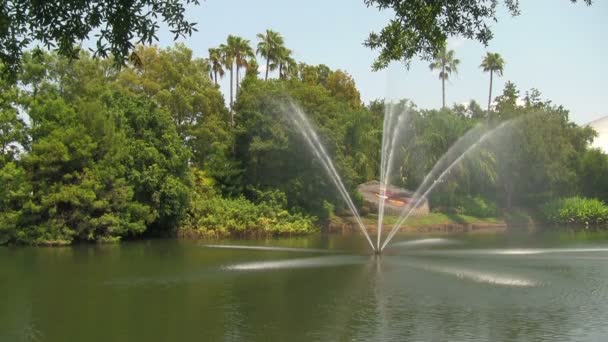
pixel 432 221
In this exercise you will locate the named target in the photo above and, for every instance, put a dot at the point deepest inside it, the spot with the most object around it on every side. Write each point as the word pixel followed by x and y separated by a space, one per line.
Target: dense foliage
pixel 576 210
pixel 90 152
pixel 63 24
pixel 211 215
pixel 421 28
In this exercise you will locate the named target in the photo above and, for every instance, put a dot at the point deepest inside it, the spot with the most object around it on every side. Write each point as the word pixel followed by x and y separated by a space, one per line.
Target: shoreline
pixel 346 226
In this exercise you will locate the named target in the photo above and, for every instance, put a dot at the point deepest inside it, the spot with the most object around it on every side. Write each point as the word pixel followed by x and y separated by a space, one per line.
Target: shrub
pixel 465 205
pixel 478 206
pixel 576 210
pixel 211 215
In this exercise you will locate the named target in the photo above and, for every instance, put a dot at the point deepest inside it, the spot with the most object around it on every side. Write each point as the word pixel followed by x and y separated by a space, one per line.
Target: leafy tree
pixel 63 24
pixel 538 156
pixel 14 195
pixel 592 174
pixel 446 63
pixel 342 86
pixel 177 82
pixel 273 154
pixel 13 132
pixel 269 46
pixel 101 164
pixel 492 63
pixel 421 28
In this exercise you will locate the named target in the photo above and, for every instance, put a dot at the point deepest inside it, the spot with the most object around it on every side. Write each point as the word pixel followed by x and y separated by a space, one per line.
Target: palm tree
pixel 252 67
pixel 447 63
pixel 268 47
pixel 228 61
pixel 215 61
pixel 242 53
pixel 290 70
pixel 493 63
pixel 284 62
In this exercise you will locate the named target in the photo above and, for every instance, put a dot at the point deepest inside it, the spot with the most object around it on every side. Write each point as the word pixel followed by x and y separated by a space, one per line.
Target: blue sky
pixel 554 46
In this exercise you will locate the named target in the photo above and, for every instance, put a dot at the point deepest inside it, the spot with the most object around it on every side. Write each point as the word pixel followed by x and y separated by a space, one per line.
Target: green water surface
pixel 475 287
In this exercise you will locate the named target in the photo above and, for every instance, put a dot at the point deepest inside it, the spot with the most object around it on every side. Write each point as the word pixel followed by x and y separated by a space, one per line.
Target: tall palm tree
pixel 228 61
pixel 268 47
pixel 290 70
pixel 242 53
pixel 447 64
pixel 283 62
pixel 493 63
pixel 215 61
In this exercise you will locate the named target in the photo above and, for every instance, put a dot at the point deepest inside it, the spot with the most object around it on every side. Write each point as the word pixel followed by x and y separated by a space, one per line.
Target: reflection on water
pixel 271 249
pixel 296 263
pixel 518 251
pixel 425 242
pixel 461 288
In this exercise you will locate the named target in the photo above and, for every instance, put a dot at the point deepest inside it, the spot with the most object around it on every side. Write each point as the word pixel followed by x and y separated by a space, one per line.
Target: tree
pixel 215 61
pixel 252 68
pixel 421 28
pixel 492 63
pixel 268 47
pixel 228 53
pixel 284 62
pixel 447 64
pixel 243 53
pixel 342 86
pixel 178 83
pixel 273 154
pixel 13 130
pixel 63 24
pixel 592 176
pixel 539 154
pixel 102 163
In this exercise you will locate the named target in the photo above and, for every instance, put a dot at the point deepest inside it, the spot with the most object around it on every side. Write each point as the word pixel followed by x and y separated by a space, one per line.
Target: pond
pixel 466 287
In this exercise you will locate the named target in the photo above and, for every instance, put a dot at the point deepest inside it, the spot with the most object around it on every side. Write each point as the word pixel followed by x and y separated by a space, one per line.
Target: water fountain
pixel 393 127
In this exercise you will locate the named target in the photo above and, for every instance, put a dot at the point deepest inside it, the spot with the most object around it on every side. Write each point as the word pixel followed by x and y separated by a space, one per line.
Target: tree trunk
pixel 215 76
pixel 238 67
pixel 281 70
pixel 231 111
pixel 267 67
pixel 490 96
pixel 443 87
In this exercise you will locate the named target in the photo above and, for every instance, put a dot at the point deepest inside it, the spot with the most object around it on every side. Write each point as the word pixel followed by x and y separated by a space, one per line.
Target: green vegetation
pixel 422 28
pixel 92 152
pixel 576 211
pixel 434 220
pixel 63 24
pixel 211 215
pixel 492 63
pixel 447 63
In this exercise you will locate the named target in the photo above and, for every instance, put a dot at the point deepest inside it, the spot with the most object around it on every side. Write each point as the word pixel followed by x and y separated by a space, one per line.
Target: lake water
pixel 475 287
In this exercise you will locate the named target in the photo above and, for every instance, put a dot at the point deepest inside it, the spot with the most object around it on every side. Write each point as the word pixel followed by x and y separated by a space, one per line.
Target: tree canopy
pixel 422 28
pixel 62 25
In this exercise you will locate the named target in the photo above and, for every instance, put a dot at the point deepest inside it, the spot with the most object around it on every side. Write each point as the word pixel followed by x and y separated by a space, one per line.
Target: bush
pixel 465 205
pixel 576 210
pixel 211 215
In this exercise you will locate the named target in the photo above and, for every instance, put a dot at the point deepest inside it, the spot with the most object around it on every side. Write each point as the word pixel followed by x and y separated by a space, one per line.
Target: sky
pixel 554 46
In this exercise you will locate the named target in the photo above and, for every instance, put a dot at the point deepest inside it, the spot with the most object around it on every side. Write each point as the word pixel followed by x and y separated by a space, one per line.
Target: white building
pixel 601 126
